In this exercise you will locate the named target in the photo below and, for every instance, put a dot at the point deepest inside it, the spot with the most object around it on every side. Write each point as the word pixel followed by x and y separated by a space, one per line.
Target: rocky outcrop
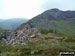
pixel 22 36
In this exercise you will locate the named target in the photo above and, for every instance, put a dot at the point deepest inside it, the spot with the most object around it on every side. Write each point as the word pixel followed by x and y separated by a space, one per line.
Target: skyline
pixel 31 8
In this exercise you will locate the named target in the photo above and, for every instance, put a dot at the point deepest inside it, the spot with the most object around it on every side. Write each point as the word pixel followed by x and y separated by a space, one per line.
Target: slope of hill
pixel 12 24
pixel 1 20
pixel 63 22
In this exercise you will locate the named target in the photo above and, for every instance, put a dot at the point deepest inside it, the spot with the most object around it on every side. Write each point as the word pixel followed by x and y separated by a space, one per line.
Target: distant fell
pixel 12 24
pixel 63 22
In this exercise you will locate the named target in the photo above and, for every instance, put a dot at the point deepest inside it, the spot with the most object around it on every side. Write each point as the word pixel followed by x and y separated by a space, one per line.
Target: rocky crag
pixel 22 36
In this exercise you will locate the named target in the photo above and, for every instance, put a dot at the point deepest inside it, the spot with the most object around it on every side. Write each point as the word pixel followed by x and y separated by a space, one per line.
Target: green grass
pixel 66 27
pixel 45 47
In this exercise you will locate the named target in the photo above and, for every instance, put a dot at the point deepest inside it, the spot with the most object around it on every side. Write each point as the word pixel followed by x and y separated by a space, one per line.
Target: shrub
pixel 44 31
pixel 50 30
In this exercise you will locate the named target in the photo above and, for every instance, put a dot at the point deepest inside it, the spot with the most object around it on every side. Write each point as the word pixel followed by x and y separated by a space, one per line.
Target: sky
pixel 31 8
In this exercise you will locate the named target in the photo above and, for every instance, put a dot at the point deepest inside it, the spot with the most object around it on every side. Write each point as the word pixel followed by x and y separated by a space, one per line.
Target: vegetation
pixel 44 31
pixel 61 22
pixel 58 29
pixel 50 46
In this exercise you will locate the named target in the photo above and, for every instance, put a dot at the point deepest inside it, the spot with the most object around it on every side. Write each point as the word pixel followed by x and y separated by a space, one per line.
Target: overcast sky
pixel 30 8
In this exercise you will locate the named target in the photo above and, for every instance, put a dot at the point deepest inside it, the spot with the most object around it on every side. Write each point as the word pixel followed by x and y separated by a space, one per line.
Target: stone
pixel 32 52
pixel 32 35
pixel 22 36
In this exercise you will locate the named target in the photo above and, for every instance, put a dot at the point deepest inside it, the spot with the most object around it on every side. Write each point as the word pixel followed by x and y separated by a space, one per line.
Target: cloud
pixel 31 8
pixel 20 8
pixel 61 4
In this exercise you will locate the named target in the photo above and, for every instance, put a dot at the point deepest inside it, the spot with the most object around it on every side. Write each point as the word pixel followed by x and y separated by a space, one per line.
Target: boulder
pixel 22 36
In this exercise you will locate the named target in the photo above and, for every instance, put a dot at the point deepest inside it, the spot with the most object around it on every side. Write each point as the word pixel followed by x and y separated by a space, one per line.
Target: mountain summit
pixel 61 21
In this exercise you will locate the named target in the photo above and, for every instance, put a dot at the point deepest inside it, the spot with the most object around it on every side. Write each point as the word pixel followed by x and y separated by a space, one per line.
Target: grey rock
pixel 32 52
pixel 22 36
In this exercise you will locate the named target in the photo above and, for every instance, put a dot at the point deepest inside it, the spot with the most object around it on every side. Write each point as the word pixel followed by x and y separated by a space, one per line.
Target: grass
pixel 50 46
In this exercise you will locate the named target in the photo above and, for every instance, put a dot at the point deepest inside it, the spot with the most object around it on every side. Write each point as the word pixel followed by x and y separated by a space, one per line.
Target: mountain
pixel 62 22
pixel 12 24
pixel 1 20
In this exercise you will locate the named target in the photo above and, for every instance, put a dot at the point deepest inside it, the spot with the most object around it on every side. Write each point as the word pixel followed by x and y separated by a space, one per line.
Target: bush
pixel 50 30
pixel 44 31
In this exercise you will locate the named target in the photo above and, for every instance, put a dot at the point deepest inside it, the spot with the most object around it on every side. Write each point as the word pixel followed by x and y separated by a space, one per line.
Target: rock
pixel 32 35
pixel 22 36
pixel 32 52
pixel 18 50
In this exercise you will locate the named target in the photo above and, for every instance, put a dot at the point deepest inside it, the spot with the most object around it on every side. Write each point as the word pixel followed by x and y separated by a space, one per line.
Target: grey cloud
pixel 61 4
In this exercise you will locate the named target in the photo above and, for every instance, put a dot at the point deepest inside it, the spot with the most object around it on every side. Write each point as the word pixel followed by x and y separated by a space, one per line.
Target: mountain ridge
pixel 63 21
pixel 12 24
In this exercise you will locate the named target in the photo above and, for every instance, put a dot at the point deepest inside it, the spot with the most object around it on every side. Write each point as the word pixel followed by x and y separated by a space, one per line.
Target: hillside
pixel 1 20
pixel 12 24
pixel 63 22
pixel 30 42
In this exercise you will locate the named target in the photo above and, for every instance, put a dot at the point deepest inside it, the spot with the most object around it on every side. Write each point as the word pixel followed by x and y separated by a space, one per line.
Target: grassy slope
pixel 50 46
pixel 61 26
